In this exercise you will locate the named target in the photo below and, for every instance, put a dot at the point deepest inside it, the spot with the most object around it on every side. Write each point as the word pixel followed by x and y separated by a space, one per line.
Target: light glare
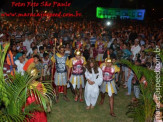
pixel 108 23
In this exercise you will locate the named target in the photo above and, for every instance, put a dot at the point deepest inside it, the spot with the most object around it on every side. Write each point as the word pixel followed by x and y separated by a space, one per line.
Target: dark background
pixel 88 7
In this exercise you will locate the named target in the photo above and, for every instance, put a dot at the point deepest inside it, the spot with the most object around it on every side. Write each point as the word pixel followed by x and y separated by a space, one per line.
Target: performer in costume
pixel 61 61
pixel 76 64
pixel 94 78
pixel 34 62
pixel 55 50
pixel 108 84
pixel 100 47
pixel 79 44
pixel 37 116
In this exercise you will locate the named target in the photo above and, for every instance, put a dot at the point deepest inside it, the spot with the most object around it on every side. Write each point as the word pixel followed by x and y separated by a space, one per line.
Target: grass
pixel 75 111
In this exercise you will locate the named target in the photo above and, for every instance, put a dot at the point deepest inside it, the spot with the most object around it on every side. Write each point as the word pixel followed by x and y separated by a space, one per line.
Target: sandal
pixel 81 100
pixel 112 114
pixel 92 107
pixel 76 99
pixel 88 107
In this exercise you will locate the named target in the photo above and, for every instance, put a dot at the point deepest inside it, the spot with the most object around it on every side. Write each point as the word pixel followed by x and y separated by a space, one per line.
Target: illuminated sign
pixel 113 13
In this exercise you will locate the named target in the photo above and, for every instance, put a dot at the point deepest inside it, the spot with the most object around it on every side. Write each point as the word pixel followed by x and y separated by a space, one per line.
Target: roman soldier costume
pixel 60 76
pixel 100 48
pixel 77 78
pixel 108 84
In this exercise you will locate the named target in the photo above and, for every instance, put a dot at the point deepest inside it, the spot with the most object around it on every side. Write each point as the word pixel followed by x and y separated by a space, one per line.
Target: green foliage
pixel 136 111
pixel 14 93
pixel 160 53
pixel 3 97
pixel 144 110
pixel 18 90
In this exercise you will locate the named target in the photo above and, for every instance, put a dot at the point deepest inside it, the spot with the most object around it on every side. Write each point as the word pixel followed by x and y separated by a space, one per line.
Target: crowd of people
pixel 78 51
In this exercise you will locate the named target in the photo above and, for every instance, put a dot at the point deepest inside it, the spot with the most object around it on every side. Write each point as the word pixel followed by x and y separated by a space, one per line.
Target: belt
pixel 77 74
pixel 61 71
pixel 108 80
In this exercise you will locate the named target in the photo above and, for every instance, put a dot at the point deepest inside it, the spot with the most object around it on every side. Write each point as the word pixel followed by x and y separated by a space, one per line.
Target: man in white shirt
pixel 27 42
pixel 135 49
pixel 20 63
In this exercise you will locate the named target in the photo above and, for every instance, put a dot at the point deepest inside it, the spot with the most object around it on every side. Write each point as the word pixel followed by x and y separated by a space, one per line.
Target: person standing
pixel 76 67
pixel 94 78
pixel 100 47
pixel 130 76
pixel 79 44
pixel 108 84
pixel 135 49
pixel 10 62
pixel 20 62
pixel 46 66
pixel 61 61
pixel 27 42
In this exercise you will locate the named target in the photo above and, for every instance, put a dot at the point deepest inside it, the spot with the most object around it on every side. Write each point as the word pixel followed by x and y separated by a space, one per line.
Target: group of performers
pixel 75 70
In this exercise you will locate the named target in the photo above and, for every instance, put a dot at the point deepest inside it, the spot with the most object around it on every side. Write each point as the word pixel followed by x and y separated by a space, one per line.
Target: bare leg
pixel 57 94
pixel 102 98
pixel 80 93
pixel 65 93
pixel 76 95
pixel 111 102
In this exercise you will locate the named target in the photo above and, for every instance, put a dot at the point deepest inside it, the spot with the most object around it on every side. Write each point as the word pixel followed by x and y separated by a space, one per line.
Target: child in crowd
pixel 20 63
pixel 46 66
pixel 38 66
pixel 41 51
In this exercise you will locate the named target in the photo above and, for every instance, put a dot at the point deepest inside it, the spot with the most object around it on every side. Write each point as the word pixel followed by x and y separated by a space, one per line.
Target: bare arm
pixel 69 71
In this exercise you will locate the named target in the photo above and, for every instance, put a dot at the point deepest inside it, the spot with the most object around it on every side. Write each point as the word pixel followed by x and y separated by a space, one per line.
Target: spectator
pixel 135 49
